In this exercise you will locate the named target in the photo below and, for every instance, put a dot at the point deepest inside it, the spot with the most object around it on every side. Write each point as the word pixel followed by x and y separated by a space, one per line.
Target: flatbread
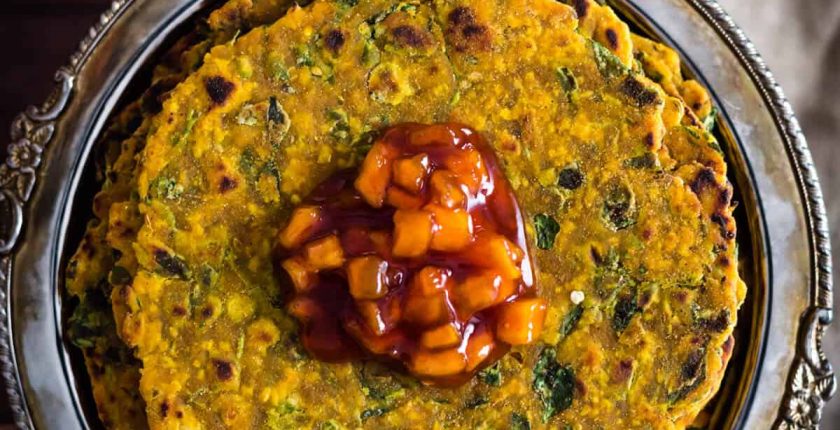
pixel 105 257
pixel 646 234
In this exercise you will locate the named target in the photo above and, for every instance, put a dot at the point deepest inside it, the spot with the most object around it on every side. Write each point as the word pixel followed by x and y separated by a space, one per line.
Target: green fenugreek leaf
pixel 570 321
pixel 608 63
pixel 547 229
pixel 710 120
pixel 554 384
pixel 567 81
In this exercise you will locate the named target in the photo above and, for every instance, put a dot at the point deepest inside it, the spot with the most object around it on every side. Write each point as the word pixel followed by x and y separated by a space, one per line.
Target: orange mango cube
pixel 411 173
pixel 391 308
pixel 366 277
pixel 304 309
pixel 479 292
pixel 447 191
pixel 300 273
pixel 375 174
pixel 429 281
pixel 372 315
pixel 453 228
pixel 444 336
pixel 412 233
pixel 325 253
pixel 436 134
pixel 426 311
pixel 438 363
pixel 496 252
pixel 469 167
pixel 520 322
pixel 402 199
pixel 381 242
pixel 301 225
pixel 376 344
pixel 479 347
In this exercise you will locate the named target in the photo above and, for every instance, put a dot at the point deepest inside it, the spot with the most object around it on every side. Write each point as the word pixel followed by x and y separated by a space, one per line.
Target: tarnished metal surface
pixel 779 379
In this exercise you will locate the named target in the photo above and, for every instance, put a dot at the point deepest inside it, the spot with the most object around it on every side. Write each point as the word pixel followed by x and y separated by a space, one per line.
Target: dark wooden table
pixel 37 37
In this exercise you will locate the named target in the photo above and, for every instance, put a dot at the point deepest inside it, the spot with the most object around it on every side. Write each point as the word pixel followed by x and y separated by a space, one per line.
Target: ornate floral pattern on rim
pixel 32 131
pixel 811 382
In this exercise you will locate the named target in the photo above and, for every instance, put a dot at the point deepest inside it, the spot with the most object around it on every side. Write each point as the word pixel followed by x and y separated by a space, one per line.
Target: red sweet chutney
pixel 418 257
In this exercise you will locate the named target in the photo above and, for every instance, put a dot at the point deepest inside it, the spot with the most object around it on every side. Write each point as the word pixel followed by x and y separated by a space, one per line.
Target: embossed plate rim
pixel 37 132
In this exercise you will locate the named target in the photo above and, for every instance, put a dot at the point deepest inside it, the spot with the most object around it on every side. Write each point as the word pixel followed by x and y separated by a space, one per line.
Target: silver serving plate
pixel 778 377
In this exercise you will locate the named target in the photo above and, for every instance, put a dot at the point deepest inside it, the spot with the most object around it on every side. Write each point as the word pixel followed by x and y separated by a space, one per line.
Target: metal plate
pixel 778 376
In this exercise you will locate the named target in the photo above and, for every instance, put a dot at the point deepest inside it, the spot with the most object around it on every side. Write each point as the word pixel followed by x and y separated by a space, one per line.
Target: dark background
pixel 38 37
pixel 800 40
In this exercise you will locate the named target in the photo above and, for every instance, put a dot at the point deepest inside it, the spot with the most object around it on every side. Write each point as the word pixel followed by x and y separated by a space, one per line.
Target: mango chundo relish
pixel 418 258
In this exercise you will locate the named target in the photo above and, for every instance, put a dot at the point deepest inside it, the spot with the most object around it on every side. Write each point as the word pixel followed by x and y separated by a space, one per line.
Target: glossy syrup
pixel 334 329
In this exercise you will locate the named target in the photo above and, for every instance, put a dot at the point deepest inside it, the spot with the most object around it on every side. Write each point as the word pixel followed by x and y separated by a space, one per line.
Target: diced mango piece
pixel 412 233
pixel 426 311
pixel 469 166
pixel 391 308
pixel 372 315
pixel 375 174
pixel 301 274
pixel 366 277
pixel 381 242
pixel 496 252
pixel 437 134
pixel 453 228
pixel 402 199
pixel 304 309
pixel 444 336
pixel 430 280
pixel 438 363
pixel 520 322
pixel 515 252
pixel 447 191
pixel 479 346
pixel 376 344
pixel 325 253
pixel 411 173
pixel 302 224
pixel 479 292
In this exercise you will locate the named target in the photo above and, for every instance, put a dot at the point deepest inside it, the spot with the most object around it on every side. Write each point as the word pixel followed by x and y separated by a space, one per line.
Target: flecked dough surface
pixel 622 185
pixel 104 260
